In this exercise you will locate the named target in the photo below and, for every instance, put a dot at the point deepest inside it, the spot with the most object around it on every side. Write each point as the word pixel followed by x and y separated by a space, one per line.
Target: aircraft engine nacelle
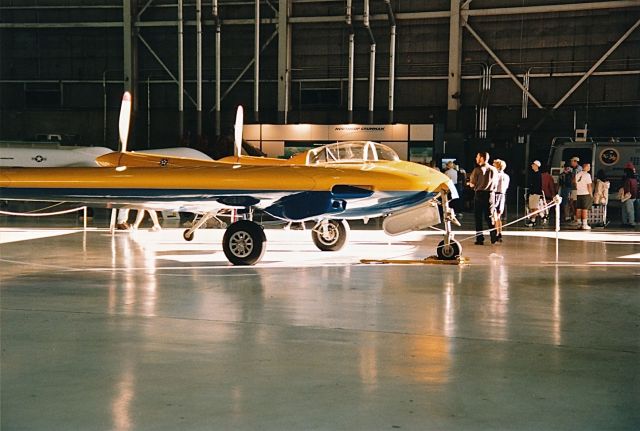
pixel 306 205
pixel 411 219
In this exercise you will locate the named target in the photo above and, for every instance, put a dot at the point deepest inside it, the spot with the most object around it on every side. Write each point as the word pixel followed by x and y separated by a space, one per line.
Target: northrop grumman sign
pixel 357 132
pixel 339 132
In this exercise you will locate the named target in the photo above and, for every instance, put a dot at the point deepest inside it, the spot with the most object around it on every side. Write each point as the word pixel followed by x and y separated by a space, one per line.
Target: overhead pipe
pixel 199 64
pixel 525 96
pixel 372 60
pixel 181 68
pixel 216 18
pixel 256 66
pixel 392 55
pixel 351 60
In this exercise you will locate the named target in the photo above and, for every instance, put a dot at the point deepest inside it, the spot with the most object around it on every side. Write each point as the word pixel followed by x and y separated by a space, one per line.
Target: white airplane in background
pixel 48 155
pixel 39 155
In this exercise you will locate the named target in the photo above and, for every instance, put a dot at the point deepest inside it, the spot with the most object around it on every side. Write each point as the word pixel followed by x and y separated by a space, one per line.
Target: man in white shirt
pixel 584 189
pixel 502 184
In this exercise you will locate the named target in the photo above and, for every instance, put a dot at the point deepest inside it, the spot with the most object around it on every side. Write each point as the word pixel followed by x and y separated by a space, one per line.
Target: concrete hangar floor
pixel 147 332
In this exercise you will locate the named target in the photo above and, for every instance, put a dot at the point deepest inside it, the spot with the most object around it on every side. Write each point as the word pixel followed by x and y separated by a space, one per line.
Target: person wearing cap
pixel 483 182
pixel 575 168
pixel 535 192
pixel 584 191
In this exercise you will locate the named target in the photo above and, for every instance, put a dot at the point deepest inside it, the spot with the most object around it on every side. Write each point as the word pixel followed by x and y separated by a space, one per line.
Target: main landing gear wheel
pixel 449 252
pixel 333 238
pixel 187 236
pixel 244 243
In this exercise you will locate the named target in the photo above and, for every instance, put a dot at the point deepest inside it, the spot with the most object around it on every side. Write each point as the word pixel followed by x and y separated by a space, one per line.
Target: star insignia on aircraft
pixel 39 158
pixel 164 162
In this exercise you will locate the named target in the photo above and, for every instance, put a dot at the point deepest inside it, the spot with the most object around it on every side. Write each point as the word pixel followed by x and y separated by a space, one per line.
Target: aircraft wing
pixel 288 192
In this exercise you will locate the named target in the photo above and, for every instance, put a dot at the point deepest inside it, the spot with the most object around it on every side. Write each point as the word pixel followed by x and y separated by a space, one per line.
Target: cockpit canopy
pixel 351 152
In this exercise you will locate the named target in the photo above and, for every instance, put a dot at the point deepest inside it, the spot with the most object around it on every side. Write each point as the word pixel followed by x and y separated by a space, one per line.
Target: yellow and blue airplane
pixel 336 183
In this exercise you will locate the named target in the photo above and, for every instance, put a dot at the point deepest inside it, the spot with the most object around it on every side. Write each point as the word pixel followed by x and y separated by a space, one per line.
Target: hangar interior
pixel 150 330
pixel 502 75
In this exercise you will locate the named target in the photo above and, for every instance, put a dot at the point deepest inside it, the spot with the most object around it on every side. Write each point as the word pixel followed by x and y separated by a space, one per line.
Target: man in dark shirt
pixel 482 181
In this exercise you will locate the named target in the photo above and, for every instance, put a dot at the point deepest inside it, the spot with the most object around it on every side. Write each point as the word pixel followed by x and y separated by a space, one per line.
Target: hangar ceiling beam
pixel 164 66
pixel 180 69
pixel 246 68
pixel 129 49
pixel 573 7
pixel 256 63
pixel 216 18
pixel 455 66
pixel 392 56
pixel 145 8
pixel 352 45
pixel 502 65
pixel 372 61
pixel 597 64
pixel 284 59
pixel 199 67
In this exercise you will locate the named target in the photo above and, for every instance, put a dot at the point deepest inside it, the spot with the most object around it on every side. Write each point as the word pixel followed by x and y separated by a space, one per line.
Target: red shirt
pixel 548 185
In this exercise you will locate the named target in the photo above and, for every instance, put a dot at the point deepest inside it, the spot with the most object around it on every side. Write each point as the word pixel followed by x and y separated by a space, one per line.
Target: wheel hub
pixel 329 235
pixel 241 244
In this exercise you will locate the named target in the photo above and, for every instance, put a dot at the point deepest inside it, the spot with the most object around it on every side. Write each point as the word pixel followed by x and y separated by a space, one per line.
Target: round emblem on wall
pixel 39 158
pixel 609 156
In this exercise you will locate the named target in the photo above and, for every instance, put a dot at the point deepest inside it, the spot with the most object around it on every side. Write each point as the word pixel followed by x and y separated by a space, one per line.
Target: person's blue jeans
pixel 636 204
pixel 628 212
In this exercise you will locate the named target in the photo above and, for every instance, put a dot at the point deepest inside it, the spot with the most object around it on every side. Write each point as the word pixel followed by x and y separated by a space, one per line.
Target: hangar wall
pixel 62 67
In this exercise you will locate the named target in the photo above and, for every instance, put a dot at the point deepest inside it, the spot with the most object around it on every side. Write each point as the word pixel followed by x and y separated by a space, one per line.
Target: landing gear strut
pixel 448 248
pixel 188 233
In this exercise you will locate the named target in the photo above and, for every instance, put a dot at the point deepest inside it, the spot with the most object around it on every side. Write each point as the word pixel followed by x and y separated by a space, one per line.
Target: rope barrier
pixel 32 214
pixel 555 202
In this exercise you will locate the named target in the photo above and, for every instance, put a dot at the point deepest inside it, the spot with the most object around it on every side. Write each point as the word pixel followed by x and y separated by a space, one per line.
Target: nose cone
pixel 426 178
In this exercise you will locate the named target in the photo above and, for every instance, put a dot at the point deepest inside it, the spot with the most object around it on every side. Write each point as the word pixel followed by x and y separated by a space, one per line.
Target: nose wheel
pixel 449 251
pixel 244 243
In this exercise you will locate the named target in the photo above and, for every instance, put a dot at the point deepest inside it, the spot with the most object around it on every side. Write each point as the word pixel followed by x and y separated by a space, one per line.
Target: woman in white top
pixel 502 184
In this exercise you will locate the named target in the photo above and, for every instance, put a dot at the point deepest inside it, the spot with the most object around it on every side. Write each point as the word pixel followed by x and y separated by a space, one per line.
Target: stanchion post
pixel 84 217
pixel 558 201
pixel 112 223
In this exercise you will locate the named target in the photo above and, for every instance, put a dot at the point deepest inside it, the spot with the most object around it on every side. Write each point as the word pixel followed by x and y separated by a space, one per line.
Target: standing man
pixel 535 192
pixel 483 183
pixel 575 168
pixel 584 199
pixel 502 184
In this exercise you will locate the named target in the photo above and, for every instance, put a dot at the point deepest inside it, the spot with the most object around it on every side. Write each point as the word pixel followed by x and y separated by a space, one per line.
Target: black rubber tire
pixel 451 252
pixel 338 231
pixel 244 243
pixel 187 236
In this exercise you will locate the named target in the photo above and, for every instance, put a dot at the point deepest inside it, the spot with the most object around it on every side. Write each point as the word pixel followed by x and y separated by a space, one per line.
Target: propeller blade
pixel 125 119
pixel 237 133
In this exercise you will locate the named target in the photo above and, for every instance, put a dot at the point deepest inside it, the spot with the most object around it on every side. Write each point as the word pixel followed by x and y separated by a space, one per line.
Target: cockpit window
pixel 386 153
pixel 351 152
